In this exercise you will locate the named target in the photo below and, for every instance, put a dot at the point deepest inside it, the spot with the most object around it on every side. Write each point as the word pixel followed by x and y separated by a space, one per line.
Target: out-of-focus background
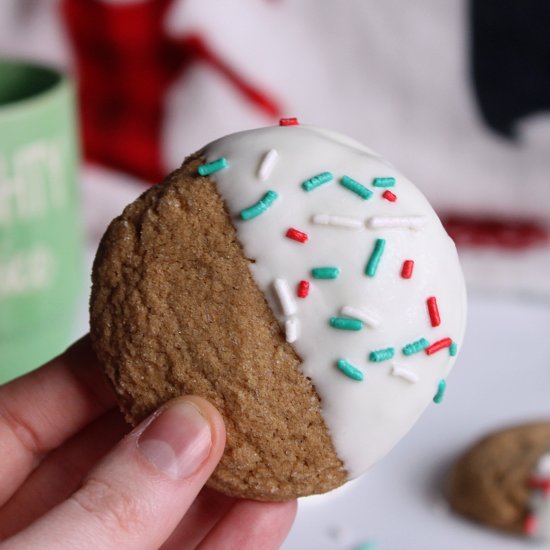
pixel 455 93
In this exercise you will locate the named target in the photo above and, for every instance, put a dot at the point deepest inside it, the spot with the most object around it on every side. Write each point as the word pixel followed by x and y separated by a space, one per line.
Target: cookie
pixel 297 281
pixel 503 481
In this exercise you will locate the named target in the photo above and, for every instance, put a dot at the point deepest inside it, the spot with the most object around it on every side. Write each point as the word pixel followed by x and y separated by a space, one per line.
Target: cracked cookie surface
pixel 174 310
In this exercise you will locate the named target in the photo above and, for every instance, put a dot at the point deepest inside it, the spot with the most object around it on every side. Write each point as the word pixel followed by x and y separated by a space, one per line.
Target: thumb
pixel 137 495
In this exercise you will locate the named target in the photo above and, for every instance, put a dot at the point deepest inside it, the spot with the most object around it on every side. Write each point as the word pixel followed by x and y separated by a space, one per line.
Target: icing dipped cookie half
pixel 302 285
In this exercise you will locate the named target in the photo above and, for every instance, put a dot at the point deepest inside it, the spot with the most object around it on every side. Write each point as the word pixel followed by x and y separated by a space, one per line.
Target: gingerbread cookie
pixel 297 281
pixel 503 481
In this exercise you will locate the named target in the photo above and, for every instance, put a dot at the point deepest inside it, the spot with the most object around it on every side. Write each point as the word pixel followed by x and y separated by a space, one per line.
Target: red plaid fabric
pixel 125 65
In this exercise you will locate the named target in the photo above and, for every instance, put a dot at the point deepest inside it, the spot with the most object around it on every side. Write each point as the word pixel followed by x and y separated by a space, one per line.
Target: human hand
pixel 68 480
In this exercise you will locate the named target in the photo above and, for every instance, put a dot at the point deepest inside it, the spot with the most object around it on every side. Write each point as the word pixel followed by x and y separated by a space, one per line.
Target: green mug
pixel 40 235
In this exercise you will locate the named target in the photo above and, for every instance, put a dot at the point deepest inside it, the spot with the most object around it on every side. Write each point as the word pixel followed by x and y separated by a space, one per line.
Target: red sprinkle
pixel 389 196
pixel 296 235
pixel 289 122
pixel 303 289
pixel 434 312
pixel 439 345
pixel 407 270
pixel 540 483
pixel 530 524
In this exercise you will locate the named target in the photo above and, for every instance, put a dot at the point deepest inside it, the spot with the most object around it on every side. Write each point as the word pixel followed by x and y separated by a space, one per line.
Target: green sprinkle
pixel 260 207
pixel 349 370
pixel 383 182
pixel 316 181
pixel 325 272
pixel 438 397
pixel 381 355
pixel 366 546
pixel 211 167
pixel 374 259
pixel 344 323
pixel 415 347
pixel 453 349
pixel 356 187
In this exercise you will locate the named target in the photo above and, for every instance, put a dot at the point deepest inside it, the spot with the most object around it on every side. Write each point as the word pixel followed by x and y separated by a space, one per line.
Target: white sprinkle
pixel 292 330
pixel 397 222
pixel 406 374
pixel 543 465
pixel 267 164
pixel 288 305
pixel 368 317
pixel 340 221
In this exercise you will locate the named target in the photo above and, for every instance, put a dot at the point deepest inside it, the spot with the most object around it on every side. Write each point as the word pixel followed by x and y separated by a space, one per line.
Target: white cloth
pixel 393 75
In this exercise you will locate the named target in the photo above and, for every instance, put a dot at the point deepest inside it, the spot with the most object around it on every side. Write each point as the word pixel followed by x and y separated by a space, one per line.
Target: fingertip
pixel 183 439
pixel 290 509
pixel 214 419
pixel 251 524
pixel 283 512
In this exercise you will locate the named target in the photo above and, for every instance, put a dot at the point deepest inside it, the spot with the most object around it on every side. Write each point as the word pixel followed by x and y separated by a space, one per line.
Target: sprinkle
pixel 374 259
pixel 296 235
pixel 407 269
pixel 211 167
pixel 289 122
pixel 292 328
pixel 381 355
pixel 406 374
pixel 389 196
pixel 343 323
pixel 433 311
pixel 288 305
pixel 441 387
pixel 544 464
pixel 303 289
pixel 396 222
pixel 267 164
pixel 370 319
pixel 260 207
pixel 530 524
pixel 453 349
pixel 415 347
pixel 339 221
pixel 349 370
pixel 541 484
pixel 325 272
pixel 439 345
pixel 383 182
pixel 316 181
pixel 356 187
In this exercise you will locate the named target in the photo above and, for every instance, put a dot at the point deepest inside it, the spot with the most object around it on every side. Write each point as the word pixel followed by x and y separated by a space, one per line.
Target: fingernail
pixel 178 441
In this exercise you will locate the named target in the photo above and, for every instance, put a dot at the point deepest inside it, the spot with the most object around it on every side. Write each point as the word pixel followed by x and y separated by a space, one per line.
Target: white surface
pixel 502 377
pixel 394 74
pixel 365 418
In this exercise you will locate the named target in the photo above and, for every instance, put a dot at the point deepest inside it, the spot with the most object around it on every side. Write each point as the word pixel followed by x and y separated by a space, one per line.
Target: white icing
pixel 365 418
pixel 540 501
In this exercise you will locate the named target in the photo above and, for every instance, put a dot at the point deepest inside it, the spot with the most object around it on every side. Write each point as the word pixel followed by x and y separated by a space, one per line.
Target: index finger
pixel 41 410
